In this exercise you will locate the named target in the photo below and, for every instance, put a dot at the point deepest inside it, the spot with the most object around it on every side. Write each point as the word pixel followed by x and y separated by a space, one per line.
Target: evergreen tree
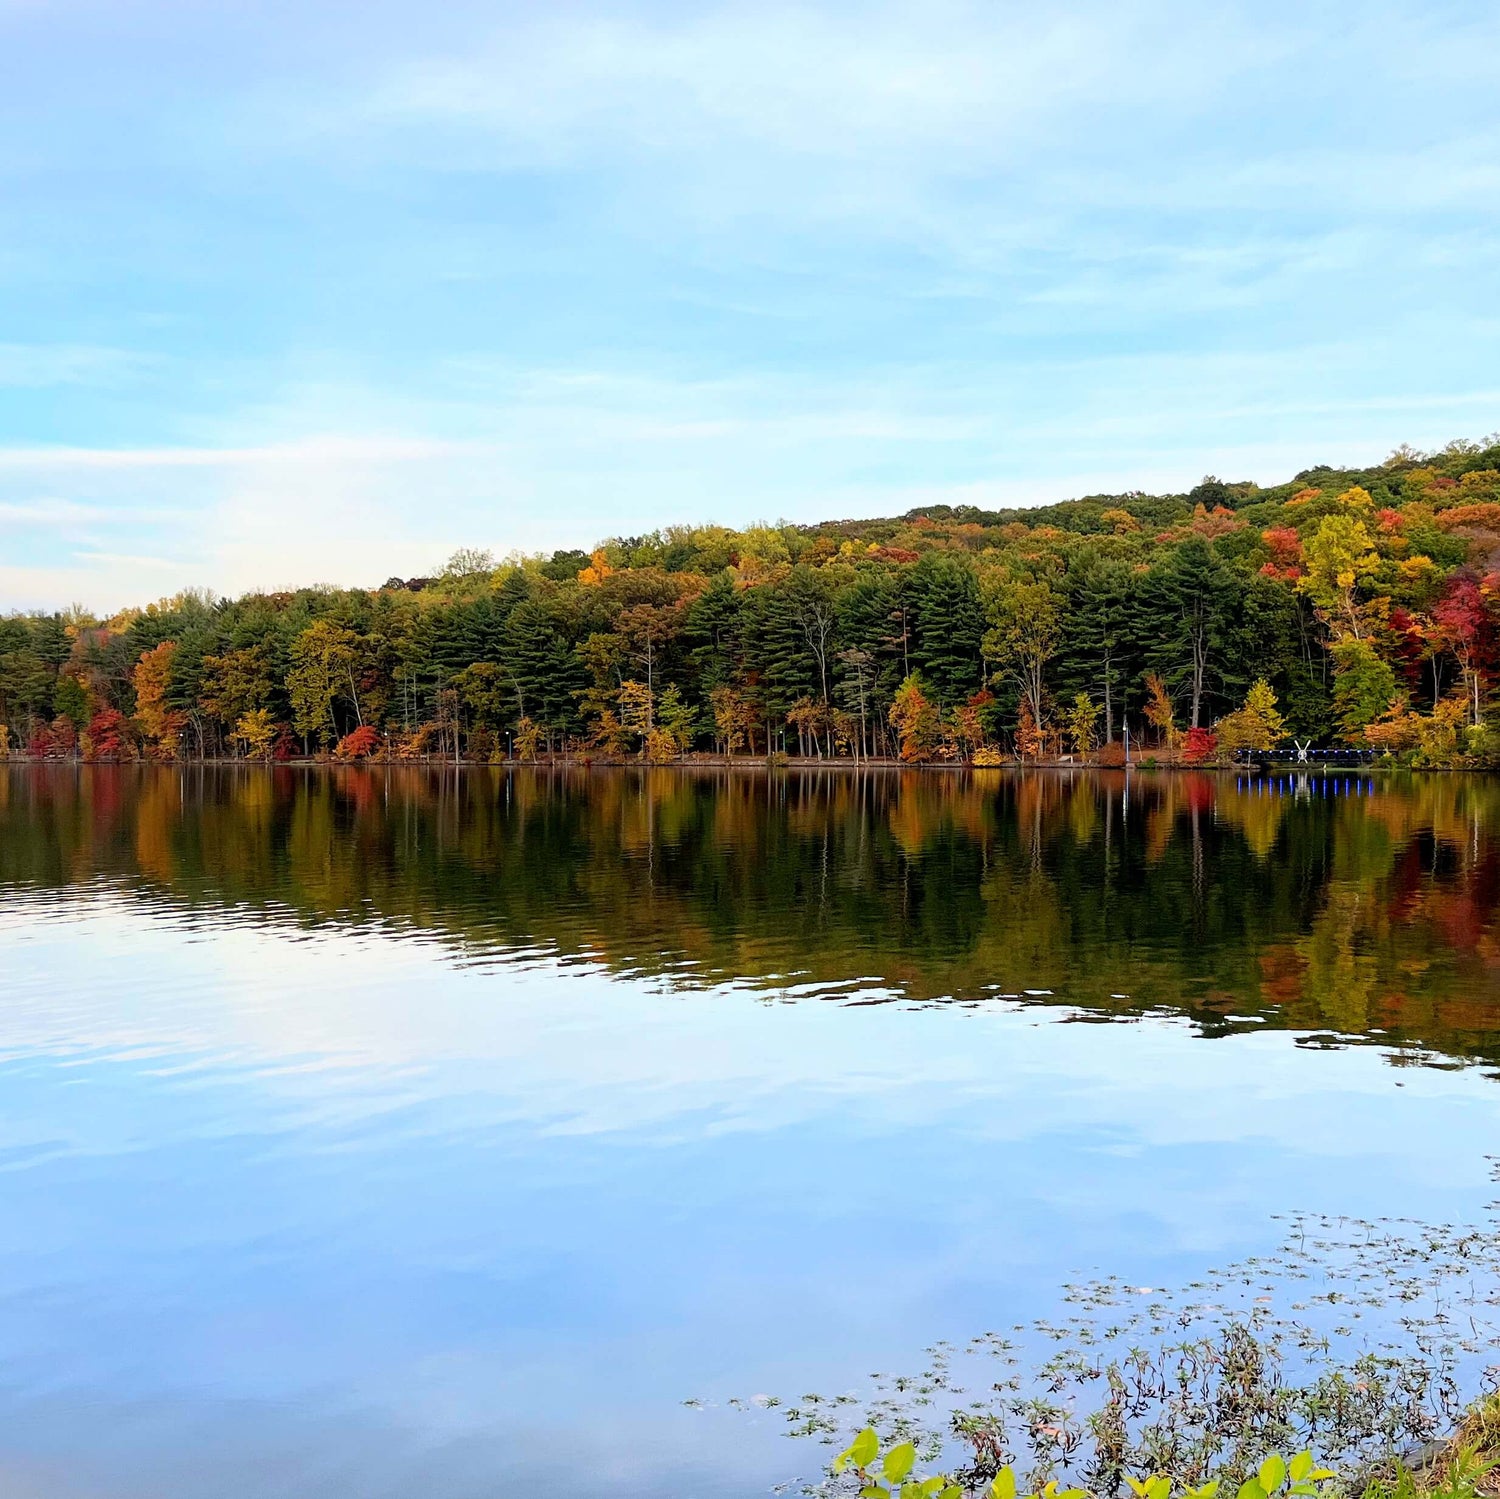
pixel 948 628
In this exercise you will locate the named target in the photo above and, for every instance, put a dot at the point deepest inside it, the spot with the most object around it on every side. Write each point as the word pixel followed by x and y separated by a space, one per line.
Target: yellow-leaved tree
pixel 257 733
pixel 1082 719
pixel 1336 558
pixel 1257 725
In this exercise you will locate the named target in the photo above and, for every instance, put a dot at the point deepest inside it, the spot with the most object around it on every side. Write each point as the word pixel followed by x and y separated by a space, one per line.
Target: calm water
pixel 407 1133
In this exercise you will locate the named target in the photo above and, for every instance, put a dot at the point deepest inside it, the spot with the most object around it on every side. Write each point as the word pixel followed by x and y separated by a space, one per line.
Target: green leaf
pixel 898 1461
pixel 1137 1487
pixel 1251 1489
pixel 874 1491
pixel 953 1491
pixel 1301 1466
pixel 864 1449
pixel 1004 1484
pixel 1272 1474
pixel 1160 1487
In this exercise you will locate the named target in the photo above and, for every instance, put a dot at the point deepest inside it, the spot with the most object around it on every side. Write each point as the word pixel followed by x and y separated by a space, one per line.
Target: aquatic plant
pixel 889 1475
pixel 1361 1340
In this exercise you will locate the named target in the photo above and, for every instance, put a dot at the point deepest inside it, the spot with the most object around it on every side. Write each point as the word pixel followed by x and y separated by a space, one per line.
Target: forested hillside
pixel 1360 606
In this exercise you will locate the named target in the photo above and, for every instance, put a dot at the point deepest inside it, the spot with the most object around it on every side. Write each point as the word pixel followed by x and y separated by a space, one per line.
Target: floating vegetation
pixel 1359 1340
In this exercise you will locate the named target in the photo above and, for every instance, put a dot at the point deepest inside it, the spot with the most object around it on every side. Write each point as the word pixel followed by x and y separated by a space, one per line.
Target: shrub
pixel 358 744
pixel 1199 745
pixel 889 1475
pixel 660 748
pixel 109 736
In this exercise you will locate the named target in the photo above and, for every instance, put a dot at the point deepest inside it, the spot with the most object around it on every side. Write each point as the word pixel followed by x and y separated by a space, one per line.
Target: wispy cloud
pixel 42 365
pixel 52 512
pixel 524 276
pixel 336 449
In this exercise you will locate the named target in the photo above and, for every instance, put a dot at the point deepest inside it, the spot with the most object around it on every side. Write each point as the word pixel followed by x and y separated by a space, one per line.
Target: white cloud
pixel 956 122
pixel 561 457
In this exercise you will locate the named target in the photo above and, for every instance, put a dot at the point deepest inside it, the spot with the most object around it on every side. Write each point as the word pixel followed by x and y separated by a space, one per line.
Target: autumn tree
pixel 323 657
pixel 1160 712
pixel 734 719
pixel 1256 725
pixel 108 737
pixel 161 723
pixel 1030 737
pixel 1336 559
pixel 1082 721
pixel 236 683
pixel 1463 626
pixel 1025 633
pixel 358 744
pixel 916 720
pixel 257 733
pixel 808 717
pixel 637 708
pixel 528 739
pixel 647 630
pixel 966 726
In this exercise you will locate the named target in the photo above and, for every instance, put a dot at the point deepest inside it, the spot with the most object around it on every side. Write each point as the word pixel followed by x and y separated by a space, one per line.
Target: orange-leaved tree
pixel 161 723
pixel 1160 713
pixel 358 744
pixel 916 720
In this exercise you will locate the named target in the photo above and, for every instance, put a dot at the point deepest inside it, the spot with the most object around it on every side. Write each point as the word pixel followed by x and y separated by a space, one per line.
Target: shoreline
pixel 758 764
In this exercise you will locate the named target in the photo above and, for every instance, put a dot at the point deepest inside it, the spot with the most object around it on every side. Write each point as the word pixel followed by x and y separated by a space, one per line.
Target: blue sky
pixel 315 292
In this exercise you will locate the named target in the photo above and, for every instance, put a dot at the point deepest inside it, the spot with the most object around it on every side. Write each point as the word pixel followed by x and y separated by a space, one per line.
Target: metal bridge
pixel 1303 752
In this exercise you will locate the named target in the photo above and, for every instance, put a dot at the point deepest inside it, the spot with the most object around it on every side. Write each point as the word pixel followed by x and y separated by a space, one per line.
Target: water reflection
pixel 403 1133
pixel 1349 907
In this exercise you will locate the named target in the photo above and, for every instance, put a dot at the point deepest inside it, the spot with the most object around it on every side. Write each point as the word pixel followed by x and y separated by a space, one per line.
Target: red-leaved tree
pixel 1462 625
pixel 1199 745
pixel 358 744
pixel 109 735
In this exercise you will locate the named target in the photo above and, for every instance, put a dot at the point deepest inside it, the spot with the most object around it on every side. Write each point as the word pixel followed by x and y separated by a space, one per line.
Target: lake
pixel 415 1131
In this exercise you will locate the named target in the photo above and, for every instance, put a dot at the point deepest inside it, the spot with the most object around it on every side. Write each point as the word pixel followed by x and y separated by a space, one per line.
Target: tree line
pixel 1358 606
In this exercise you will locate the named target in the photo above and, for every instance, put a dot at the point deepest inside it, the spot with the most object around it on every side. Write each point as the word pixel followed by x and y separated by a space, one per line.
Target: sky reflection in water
pixel 375 1134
